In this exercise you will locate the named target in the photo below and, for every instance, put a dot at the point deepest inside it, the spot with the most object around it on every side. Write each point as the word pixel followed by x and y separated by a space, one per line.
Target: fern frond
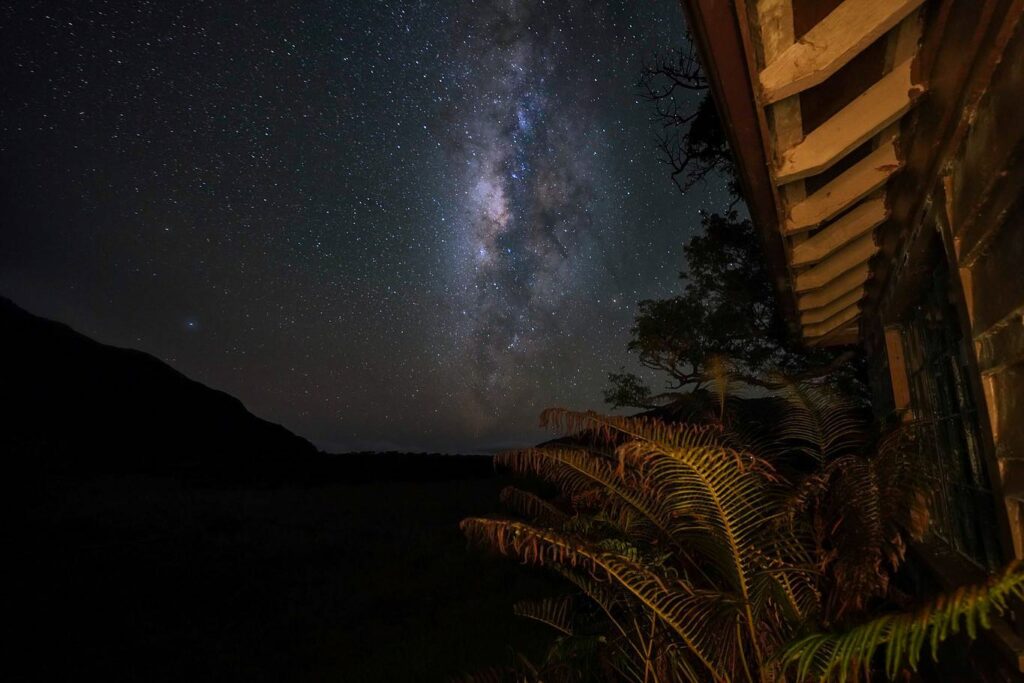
pixel 690 613
pixel 507 674
pixel 577 472
pixel 860 507
pixel 848 655
pixel 531 506
pixel 820 423
pixel 554 612
pixel 901 474
pixel 700 495
pixel 611 429
pixel 718 506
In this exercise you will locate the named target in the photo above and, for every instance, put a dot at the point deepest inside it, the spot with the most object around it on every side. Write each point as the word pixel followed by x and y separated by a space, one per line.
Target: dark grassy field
pixel 151 579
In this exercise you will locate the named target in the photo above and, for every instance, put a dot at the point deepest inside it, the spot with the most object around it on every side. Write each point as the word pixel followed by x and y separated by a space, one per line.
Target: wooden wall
pixel 984 237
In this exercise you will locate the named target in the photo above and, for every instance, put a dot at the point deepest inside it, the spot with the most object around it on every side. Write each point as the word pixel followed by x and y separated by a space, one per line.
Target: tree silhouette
pixel 728 304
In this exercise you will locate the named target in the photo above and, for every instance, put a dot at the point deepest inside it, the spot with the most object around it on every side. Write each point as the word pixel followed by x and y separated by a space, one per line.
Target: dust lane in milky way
pixel 406 225
pixel 519 138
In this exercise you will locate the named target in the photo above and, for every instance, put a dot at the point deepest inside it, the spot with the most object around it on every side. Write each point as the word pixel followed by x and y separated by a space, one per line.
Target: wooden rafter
pixel 850 256
pixel 833 42
pixel 827 257
pixel 853 279
pixel 864 177
pixel 819 315
pixel 833 237
pixel 875 108
pixel 840 319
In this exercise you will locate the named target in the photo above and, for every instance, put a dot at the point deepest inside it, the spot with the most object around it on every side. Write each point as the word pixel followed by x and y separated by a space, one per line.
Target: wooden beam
pixel 853 279
pixel 775 24
pixel 850 256
pixel 898 378
pixel 864 177
pixel 840 319
pixel 844 336
pixel 836 235
pixel 837 39
pixel 820 315
pixel 723 37
pixel 874 109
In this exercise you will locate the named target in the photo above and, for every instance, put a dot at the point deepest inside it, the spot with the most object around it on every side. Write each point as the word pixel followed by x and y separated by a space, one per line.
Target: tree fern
pixel 690 613
pixel 700 560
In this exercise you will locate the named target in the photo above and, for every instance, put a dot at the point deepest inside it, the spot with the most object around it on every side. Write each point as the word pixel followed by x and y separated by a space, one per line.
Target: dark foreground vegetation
pixel 159 579
pixel 193 541
pixel 712 552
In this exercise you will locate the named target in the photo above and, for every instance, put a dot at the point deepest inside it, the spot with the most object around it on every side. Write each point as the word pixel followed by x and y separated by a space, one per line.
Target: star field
pixel 407 225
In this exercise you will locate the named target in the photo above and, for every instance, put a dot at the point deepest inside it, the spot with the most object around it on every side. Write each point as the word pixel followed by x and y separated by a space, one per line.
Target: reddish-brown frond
pixel 531 506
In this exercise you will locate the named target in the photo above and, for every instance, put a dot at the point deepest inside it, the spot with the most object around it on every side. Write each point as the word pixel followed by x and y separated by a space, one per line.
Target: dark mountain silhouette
pixel 74 403
pixel 156 517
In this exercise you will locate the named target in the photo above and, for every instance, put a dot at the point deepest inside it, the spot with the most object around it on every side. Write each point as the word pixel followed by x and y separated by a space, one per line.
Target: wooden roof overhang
pixel 837 150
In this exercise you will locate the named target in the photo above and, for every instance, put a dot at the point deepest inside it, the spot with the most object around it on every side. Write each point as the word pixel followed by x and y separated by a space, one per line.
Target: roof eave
pixel 728 70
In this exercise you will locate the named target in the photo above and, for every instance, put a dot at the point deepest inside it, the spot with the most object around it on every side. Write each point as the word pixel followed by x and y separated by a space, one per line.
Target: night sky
pixel 383 224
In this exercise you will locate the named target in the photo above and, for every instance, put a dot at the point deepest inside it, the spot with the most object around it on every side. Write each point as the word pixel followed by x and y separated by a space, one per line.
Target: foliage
pixel 848 656
pixel 727 308
pixel 626 389
pixel 707 553
pixel 728 301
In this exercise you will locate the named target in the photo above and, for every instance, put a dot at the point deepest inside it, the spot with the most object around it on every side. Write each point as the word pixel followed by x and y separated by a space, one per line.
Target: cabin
pixel 880 149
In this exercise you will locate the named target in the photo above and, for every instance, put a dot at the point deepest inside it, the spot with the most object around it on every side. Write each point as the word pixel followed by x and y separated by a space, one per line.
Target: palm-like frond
pixel 848 655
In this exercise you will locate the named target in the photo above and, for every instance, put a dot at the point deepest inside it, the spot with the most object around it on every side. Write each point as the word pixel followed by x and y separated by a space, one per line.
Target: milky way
pixel 527 192
pixel 405 225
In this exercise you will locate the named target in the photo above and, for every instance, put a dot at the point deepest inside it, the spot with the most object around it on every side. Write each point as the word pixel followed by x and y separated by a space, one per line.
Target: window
pixel 963 509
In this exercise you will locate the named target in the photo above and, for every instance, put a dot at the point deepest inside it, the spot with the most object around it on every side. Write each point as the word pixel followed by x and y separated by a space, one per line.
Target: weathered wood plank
pixel 899 380
pixel 878 106
pixel 832 237
pixel 850 256
pixel 1000 348
pixel 823 50
pixel 864 177
pixel 997 288
pixel 819 315
pixel 850 280
pixel 959 37
pixel 989 174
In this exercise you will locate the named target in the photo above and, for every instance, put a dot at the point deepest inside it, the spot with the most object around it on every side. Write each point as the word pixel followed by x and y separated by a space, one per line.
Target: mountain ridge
pixel 71 395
